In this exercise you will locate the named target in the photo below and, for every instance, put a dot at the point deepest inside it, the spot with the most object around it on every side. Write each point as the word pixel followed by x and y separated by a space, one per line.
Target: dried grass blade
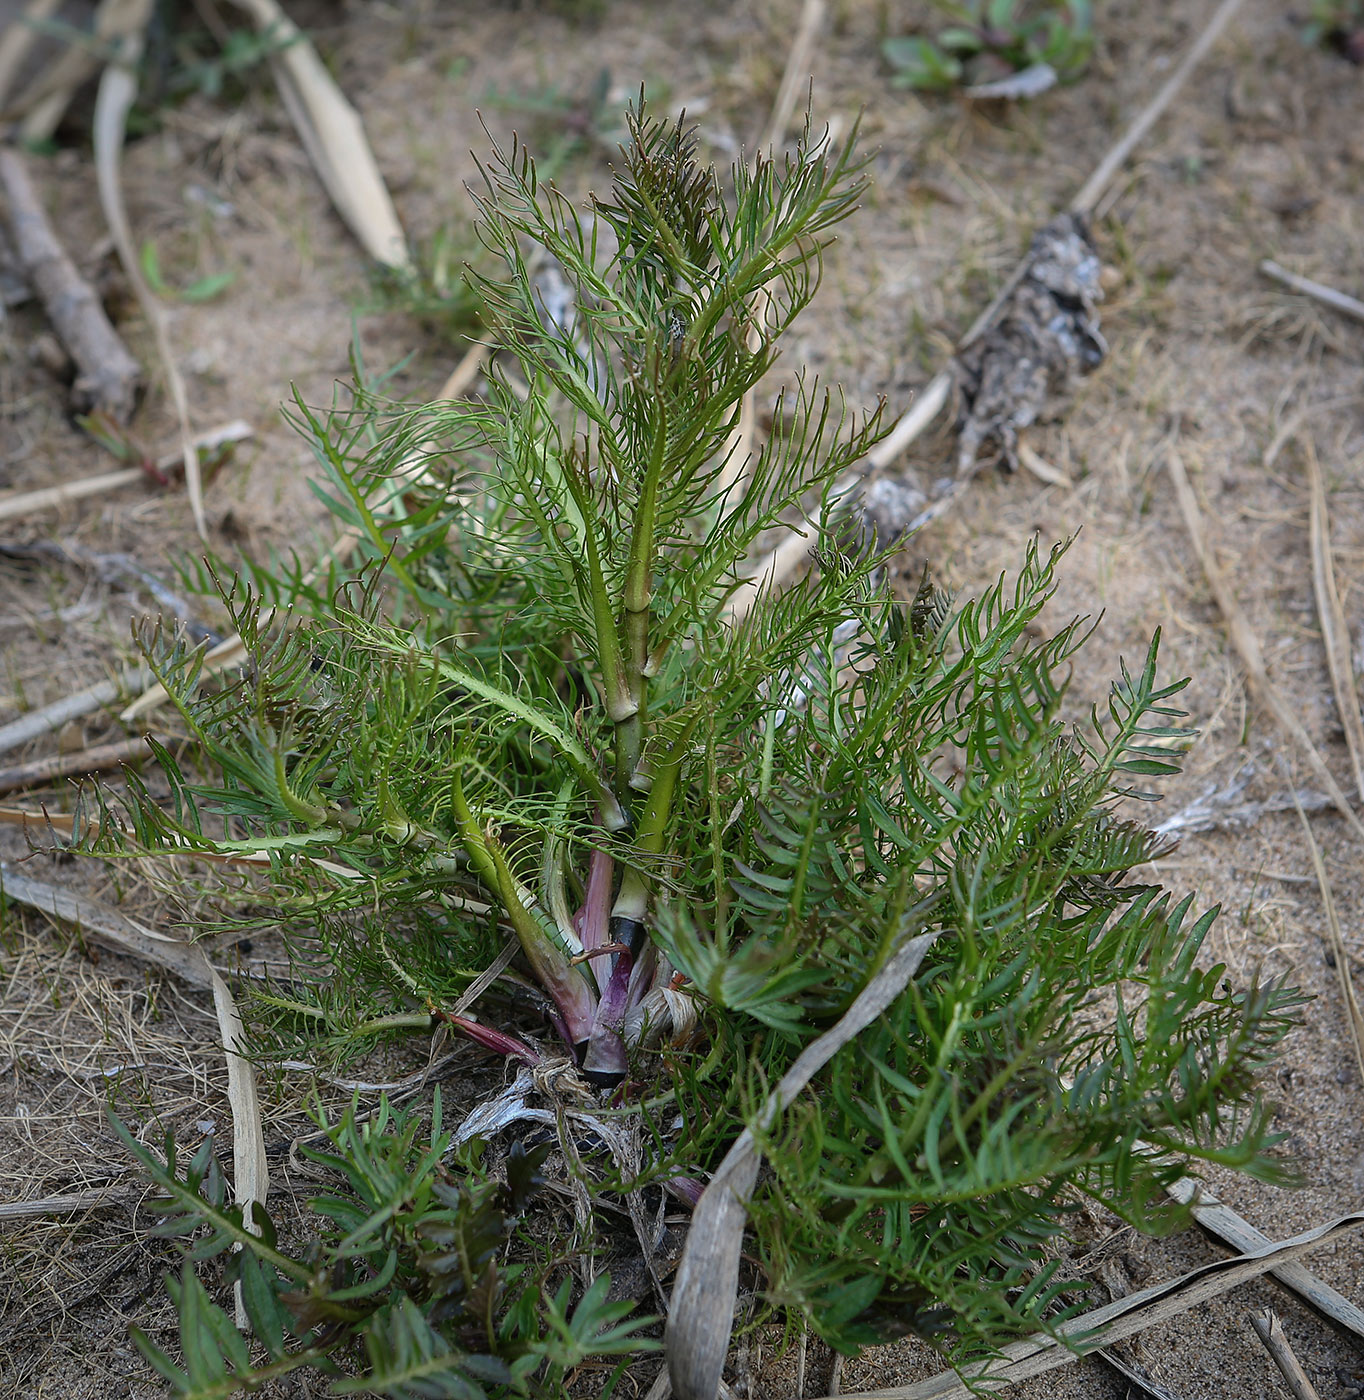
pixel 250 1169
pixel 104 925
pixel 117 92
pixel 334 137
pixel 1338 948
pixel 251 1179
pixel 701 1314
pixel 1223 1222
pixel 1334 632
pixel 1247 644
pixel 1123 1318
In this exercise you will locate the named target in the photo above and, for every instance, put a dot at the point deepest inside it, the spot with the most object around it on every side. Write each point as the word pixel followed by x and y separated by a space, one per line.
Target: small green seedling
pixel 205 289
pixel 1006 35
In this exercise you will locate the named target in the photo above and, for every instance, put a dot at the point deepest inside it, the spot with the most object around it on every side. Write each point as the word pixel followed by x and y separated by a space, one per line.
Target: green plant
pixel 408 1262
pixel 204 289
pixel 1339 23
pixel 1015 33
pixel 531 715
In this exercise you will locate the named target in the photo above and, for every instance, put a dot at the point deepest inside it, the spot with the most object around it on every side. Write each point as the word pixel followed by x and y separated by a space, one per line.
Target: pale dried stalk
pixel 334 137
pixel 1334 632
pixel 1318 291
pixel 1223 1222
pixel 1243 638
pixel 778 567
pixel 23 504
pixel 18 39
pixel 1269 1330
pixel 69 707
pixel 1123 1318
pixel 1095 187
pixel 1341 954
pixel 738 449
pixel 701 1314
pixel 117 93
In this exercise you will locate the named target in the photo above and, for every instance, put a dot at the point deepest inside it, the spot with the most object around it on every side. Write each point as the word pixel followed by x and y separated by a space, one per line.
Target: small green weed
pixel 1012 34
pixel 409 1261
pixel 204 289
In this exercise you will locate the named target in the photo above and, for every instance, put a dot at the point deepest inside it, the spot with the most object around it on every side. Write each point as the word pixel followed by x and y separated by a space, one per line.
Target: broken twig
pixel 44 771
pixel 1318 291
pixel 777 567
pixel 22 504
pixel 108 379
pixel 1269 1330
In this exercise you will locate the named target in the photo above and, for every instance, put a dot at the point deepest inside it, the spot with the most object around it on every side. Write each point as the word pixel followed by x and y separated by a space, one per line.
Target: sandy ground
pixel 1263 155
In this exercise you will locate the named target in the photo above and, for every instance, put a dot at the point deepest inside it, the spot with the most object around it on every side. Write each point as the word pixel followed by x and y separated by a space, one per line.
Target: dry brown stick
pixel 1243 638
pixel 1223 1222
pixel 108 378
pixel 1269 1330
pixel 1338 949
pixel 69 1203
pixel 1318 291
pixel 1123 1318
pixel 701 1314
pixel 1334 633
pixel 98 759
pixel 22 504
pixel 780 564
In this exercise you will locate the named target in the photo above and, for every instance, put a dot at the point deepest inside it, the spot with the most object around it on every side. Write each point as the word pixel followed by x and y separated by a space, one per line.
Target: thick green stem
pixel 632 901
pixel 566 984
